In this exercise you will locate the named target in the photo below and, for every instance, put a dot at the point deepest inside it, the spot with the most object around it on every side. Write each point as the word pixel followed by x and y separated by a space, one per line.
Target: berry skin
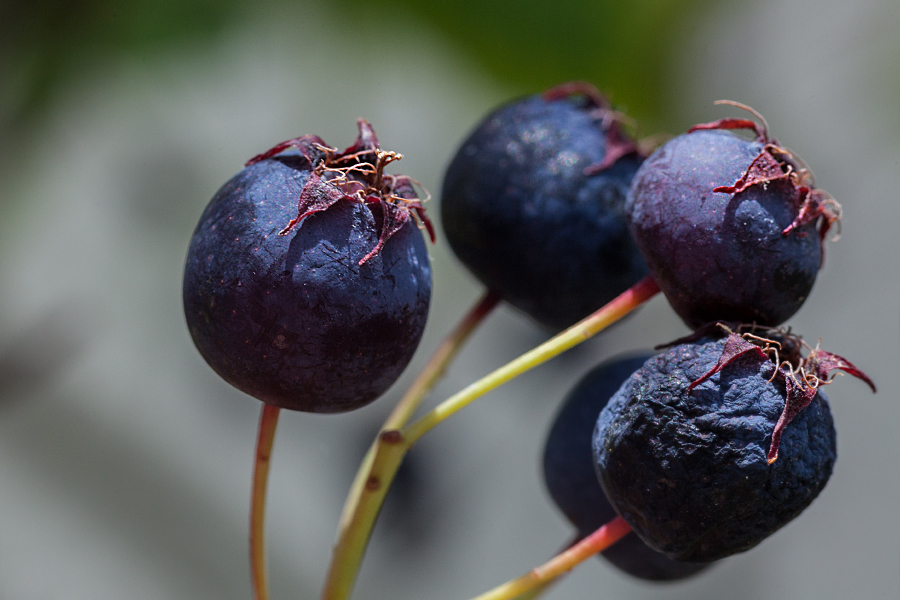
pixel 533 205
pixel 318 315
pixel 571 478
pixel 730 228
pixel 688 469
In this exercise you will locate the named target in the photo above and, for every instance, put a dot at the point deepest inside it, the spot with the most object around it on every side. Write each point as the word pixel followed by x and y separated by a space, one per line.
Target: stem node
pixel 392 436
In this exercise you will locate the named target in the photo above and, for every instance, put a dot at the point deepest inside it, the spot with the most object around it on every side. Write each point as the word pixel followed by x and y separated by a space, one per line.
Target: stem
pixel 392 444
pixel 374 477
pixel 540 589
pixel 563 562
pixel 439 361
pixel 574 335
pixel 268 419
pixel 535 593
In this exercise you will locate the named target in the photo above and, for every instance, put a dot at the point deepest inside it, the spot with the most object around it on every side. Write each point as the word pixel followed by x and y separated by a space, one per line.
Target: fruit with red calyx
pixel 307 283
pixel 533 204
pixel 715 444
pixel 732 229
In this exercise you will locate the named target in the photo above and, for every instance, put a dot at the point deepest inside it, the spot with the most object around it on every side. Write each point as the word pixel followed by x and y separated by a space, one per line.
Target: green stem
pixel 535 593
pixel 560 564
pixel 384 457
pixel 393 444
pixel 439 361
pixel 574 335
pixel 268 420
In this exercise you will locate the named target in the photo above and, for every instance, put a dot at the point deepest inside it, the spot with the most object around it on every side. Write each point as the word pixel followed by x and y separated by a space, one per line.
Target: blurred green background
pixel 125 462
pixel 623 47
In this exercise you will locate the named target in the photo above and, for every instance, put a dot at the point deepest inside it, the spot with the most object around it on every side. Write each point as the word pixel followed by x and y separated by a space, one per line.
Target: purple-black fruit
pixel 307 282
pixel 731 229
pixel 715 444
pixel 571 477
pixel 533 205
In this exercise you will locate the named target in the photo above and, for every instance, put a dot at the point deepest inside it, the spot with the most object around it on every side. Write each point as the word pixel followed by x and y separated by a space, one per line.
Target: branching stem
pixel 381 464
pixel 574 335
pixel 374 476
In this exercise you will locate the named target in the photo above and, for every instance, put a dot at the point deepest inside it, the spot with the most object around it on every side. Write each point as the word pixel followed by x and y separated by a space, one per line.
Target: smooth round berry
pixel 319 314
pixel 731 228
pixel 533 205
pixel 689 469
pixel 571 478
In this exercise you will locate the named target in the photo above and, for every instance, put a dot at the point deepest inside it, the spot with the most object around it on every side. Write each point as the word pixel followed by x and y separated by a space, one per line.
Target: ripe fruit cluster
pixel 732 230
pixel 307 285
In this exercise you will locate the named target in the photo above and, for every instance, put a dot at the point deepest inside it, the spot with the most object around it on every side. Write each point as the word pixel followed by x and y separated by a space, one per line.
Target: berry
pixel 323 311
pixel 731 229
pixel 571 478
pixel 715 444
pixel 533 205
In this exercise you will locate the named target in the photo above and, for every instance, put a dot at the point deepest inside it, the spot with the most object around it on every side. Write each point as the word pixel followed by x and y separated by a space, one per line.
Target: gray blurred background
pixel 125 463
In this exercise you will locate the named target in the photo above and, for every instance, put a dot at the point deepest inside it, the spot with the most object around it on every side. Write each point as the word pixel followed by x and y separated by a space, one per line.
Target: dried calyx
pixel 801 368
pixel 776 163
pixel 618 144
pixel 357 175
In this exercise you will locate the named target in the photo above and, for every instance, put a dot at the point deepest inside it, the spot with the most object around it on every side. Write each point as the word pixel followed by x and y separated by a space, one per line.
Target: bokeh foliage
pixel 43 42
pixel 623 46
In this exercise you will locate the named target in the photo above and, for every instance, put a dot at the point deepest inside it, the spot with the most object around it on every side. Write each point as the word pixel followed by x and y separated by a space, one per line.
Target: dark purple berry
pixel 533 205
pixel 683 449
pixel 571 477
pixel 307 282
pixel 731 229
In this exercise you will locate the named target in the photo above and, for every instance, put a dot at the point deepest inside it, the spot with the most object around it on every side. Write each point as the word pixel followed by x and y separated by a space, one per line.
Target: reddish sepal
pixel 420 212
pixel 392 219
pixel 816 367
pixel 821 363
pixel 713 328
pixel 617 143
pixel 814 204
pixel 799 395
pixel 809 211
pixel 355 174
pixel 735 347
pixel 776 163
pixel 316 196
pixel 366 141
pixel 802 376
pixel 760 131
pixel 310 146
pixel 404 188
pixel 617 146
pixel 577 88
pixel 763 169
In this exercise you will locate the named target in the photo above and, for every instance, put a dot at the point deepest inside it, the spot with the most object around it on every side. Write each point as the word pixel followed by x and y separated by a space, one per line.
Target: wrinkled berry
pixel 307 282
pixel 571 478
pixel 731 229
pixel 533 205
pixel 688 469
